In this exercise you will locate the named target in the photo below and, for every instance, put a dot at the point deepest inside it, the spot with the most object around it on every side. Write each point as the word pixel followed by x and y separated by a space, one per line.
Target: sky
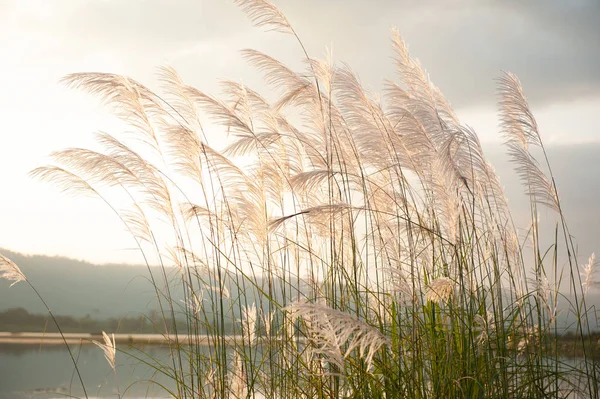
pixel 553 46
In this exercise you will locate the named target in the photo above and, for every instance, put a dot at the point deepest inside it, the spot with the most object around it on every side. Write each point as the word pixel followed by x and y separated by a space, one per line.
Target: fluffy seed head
pixel 194 303
pixel 587 274
pixel 109 348
pixel 10 271
pixel 237 377
pixel 249 317
pixel 336 334
pixel 440 290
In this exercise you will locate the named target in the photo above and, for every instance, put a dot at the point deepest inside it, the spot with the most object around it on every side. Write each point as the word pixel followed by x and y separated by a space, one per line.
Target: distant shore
pixel 88 338
pixel 37 338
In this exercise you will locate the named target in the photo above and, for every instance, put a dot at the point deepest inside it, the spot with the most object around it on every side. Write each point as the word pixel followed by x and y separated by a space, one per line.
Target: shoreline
pixel 35 338
pixel 88 338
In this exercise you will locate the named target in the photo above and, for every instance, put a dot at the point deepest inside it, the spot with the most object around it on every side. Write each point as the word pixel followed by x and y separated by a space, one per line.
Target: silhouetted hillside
pixel 100 292
pixel 76 288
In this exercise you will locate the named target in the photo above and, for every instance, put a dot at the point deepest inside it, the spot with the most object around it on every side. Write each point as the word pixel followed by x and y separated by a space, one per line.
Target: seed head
pixel 10 271
pixel 109 348
pixel 587 275
pixel 440 290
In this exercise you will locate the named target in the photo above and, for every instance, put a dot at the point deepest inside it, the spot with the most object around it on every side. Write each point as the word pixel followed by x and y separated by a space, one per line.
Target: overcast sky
pixel 553 46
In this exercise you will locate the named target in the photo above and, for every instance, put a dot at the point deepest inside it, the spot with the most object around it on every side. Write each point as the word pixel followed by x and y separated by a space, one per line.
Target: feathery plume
pixel 68 182
pixel 332 330
pixel 517 120
pixel 267 319
pixel 237 377
pixel 10 271
pixel 530 339
pixel 136 222
pixel 249 317
pixel 399 284
pixel 220 290
pixel 440 290
pixel 132 102
pixel 109 348
pixel 265 14
pixel 587 274
pixel 520 131
pixel 194 302
pixel 484 327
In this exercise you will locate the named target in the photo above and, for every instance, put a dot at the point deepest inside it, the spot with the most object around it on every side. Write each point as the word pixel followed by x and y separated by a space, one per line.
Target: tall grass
pixel 362 247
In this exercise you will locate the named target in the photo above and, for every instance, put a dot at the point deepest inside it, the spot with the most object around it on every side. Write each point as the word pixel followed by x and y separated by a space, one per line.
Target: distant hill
pixel 101 292
pixel 76 288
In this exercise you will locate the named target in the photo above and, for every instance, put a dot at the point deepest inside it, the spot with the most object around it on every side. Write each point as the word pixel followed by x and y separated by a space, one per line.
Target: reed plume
pixel 109 348
pixel 10 271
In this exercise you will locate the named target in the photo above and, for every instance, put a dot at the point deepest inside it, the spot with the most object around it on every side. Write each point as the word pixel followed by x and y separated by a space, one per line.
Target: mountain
pixel 76 288
pixel 79 289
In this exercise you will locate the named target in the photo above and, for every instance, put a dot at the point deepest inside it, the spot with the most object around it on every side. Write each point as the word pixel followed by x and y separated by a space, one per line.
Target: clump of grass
pixel 360 247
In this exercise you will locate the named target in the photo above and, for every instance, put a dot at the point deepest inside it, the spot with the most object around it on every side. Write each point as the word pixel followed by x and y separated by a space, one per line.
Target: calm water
pixel 28 371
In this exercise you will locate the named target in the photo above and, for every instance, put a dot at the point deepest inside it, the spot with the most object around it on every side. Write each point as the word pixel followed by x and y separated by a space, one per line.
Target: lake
pixel 31 371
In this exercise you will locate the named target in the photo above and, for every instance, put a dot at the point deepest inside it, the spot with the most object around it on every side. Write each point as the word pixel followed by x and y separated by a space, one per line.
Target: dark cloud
pixel 553 46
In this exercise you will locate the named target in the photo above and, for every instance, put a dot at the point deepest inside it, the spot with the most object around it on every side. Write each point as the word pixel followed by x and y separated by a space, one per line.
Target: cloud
pixel 551 45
